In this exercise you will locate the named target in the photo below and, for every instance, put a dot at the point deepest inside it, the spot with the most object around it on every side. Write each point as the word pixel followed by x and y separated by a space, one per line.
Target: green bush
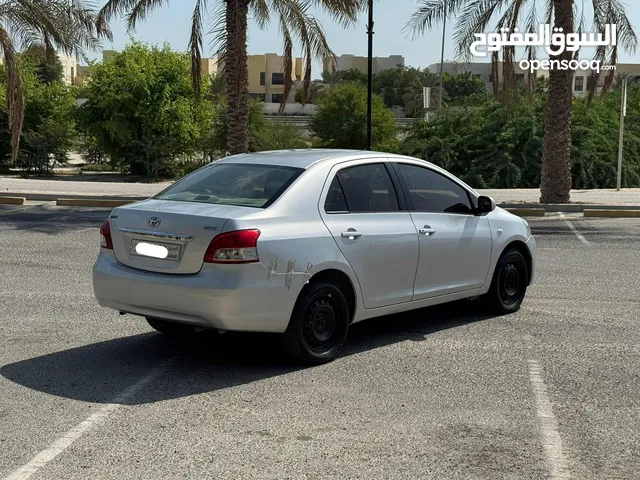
pixel 142 110
pixel 48 129
pixel 489 147
pixel 341 119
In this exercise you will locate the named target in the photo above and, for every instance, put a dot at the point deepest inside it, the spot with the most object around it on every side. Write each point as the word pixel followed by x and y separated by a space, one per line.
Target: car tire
pixel 167 327
pixel 319 323
pixel 509 283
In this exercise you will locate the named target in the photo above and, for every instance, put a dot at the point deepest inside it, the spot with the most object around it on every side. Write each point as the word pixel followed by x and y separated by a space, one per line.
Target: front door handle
pixel 351 234
pixel 427 231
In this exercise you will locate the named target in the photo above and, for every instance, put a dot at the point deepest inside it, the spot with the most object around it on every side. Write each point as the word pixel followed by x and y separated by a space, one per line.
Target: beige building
pixel 580 78
pixel 69 68
pixel 347 62
pixel 266 75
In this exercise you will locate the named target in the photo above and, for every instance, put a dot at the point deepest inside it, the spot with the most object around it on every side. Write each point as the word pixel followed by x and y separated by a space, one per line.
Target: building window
pixel 262 75
pixel 276 97
pixel 277 79
pixel 259 96
pixel 490 78
pixel 579 84
pixel 519 78
pixel 73 76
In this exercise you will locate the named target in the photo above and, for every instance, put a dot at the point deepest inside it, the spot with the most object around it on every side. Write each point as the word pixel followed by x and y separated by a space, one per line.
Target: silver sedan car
pixel 307 242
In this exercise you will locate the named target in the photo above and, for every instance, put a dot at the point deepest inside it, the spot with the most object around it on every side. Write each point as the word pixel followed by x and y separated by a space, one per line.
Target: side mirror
pixel 485 205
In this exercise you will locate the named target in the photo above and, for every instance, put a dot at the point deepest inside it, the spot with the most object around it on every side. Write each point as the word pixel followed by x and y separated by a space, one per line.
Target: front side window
pixel 368 188
pixel 233 184
pixel 433 192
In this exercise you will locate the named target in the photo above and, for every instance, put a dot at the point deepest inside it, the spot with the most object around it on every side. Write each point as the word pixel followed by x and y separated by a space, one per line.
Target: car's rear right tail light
pixel 239 246
pixel 105 236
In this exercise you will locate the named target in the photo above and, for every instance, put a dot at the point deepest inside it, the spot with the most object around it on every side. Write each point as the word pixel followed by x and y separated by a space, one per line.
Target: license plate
pixel 164 251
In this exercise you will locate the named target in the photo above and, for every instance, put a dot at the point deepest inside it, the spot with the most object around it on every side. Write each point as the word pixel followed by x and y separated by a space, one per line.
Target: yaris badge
pixel 154 222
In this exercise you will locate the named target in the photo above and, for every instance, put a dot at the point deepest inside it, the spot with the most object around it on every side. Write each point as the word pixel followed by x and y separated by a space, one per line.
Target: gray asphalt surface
pixel 78 185
pixel 444 392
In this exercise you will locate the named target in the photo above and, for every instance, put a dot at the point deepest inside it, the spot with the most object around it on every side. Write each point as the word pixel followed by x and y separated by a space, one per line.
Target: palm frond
pixel 195 44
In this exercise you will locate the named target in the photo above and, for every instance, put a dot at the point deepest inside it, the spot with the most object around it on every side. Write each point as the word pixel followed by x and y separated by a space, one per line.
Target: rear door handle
pixel 427 231
pixel 351 234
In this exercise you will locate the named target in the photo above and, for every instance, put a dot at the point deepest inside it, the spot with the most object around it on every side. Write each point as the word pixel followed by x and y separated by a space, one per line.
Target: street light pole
pixel 444 30
pixel 623 113
pixel 370 78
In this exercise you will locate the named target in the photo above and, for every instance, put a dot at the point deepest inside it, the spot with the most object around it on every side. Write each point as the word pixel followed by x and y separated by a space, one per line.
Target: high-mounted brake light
pixel 105 236
pixel 234 247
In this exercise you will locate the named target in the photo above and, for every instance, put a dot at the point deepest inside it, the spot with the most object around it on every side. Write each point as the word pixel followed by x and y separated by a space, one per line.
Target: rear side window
pixel 432 192
pixel 233 184
pixel 335 201
pixel 368 188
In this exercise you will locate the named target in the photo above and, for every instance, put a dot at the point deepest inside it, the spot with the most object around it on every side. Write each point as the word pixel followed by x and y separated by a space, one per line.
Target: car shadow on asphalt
pixel 101 372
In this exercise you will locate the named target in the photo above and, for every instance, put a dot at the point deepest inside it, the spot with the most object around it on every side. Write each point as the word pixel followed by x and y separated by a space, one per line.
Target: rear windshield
pixel 233 184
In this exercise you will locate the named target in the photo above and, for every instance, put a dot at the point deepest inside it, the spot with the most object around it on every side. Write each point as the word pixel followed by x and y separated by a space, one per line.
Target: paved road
pixel 70 185
pixel 440 393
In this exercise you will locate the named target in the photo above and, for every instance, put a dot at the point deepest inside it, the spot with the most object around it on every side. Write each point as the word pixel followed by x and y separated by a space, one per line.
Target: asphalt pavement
pixel 552 391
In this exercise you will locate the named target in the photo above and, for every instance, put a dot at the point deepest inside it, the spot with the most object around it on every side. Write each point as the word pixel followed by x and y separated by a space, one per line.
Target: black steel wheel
pixel 509 284
pixel 319 324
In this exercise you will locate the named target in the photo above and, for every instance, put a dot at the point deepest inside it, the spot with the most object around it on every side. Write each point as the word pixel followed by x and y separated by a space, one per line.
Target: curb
pixel 52 197
pixel 526 212
pixel 13 200
pixel 611 213
pixel 84 202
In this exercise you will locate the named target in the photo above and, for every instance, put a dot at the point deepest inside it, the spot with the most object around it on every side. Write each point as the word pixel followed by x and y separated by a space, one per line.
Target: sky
pixel 172 23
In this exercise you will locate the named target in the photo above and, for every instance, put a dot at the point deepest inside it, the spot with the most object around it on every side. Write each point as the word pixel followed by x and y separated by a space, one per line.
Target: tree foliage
pixel 48 127
pixel 53 24
pixel 340 121
pixel 143 112
pixel 489 146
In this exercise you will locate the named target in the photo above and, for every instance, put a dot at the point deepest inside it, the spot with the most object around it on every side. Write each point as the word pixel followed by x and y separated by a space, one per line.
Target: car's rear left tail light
pixel 105 236
pixel 239 246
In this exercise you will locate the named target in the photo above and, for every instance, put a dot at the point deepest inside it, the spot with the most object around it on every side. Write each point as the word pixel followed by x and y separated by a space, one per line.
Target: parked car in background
pixel 307 242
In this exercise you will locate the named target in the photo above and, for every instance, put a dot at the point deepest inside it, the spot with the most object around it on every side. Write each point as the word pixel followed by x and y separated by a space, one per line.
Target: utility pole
pixel 623 114
pixel 444 30
pixel 370 78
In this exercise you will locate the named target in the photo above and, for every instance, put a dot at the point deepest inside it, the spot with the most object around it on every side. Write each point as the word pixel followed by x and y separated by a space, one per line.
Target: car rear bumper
pixel 226 297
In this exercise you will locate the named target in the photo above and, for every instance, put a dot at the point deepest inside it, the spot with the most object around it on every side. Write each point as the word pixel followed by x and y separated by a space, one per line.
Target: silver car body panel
pixel 394 269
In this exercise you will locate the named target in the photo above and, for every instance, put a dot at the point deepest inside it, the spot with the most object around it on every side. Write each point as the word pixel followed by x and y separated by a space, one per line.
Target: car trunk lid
pixel 168 236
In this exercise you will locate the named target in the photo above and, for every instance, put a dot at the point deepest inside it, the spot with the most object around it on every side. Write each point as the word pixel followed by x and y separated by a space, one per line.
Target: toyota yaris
pixel 307 242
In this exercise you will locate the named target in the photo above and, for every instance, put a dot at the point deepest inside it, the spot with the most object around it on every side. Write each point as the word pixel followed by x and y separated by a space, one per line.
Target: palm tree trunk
pixel 237 76
pixel 556 152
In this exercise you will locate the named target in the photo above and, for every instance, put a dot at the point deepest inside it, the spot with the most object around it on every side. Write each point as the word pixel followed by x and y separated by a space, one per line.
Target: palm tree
pixel 66 25
pixel 294 21
pixel 475 17
pixel 413 97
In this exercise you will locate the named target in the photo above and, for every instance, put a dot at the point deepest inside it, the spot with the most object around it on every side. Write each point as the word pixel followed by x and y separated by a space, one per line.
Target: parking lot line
pixel 551 441
pixel 60 444
pixel 574 230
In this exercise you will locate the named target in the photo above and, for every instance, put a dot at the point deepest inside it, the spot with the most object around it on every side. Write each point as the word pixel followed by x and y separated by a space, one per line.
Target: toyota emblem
pixel 154 222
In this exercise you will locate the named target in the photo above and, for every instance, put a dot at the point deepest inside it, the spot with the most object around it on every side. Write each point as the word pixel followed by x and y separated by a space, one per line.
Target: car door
pixel 360 206
pixel 455 244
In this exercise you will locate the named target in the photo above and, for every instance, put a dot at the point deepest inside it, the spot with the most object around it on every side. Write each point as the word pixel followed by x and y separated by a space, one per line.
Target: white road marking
pixel 574 230
pixel 551 441
pixel 65 441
